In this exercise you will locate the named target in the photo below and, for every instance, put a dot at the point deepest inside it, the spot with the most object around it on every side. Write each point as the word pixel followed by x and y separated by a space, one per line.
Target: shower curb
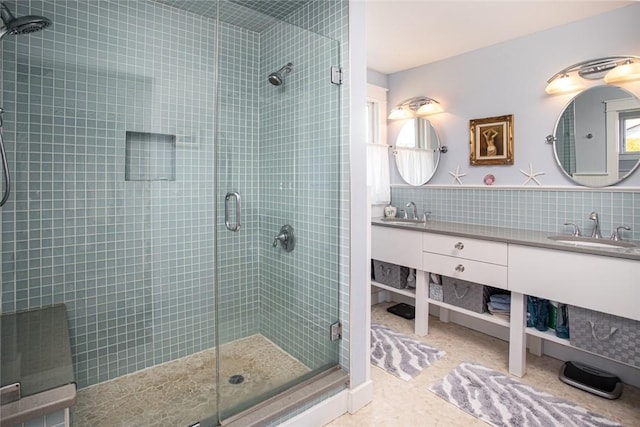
pixel 290 399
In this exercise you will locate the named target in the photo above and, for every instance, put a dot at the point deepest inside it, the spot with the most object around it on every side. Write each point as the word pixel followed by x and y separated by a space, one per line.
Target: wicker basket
pixel 390 274
pixel 605 334
pixel 468 295
pixel 435 292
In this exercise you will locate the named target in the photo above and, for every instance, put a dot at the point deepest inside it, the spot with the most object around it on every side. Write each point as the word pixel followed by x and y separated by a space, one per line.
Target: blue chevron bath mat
pixel 399 354
pixel 501 400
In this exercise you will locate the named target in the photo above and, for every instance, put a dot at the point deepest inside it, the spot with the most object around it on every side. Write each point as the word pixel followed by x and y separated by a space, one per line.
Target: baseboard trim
pixel 360 397
pixel 347 401
pixel 322 413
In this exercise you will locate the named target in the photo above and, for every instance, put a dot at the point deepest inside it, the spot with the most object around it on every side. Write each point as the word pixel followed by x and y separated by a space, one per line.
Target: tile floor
pixel 408 403
pixel 183 391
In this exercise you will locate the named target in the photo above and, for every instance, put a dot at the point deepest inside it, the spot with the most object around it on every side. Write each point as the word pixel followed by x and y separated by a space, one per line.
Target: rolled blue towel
pixel 499 306
pixel 500 298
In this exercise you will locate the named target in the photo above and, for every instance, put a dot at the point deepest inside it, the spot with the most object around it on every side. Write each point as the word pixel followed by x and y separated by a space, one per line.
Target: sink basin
pixel 402 221
pixel 593 243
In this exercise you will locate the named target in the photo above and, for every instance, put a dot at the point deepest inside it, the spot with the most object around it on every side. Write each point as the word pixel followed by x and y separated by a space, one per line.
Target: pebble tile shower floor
pixel 183 391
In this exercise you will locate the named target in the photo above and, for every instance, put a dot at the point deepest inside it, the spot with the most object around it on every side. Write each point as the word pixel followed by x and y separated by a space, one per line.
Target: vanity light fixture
pixel 626 72
pixel 614 69
pixel 415 107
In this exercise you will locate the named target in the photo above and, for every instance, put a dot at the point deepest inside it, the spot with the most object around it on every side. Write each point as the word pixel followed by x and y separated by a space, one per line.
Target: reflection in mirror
pixel 597 137
pixel 417 151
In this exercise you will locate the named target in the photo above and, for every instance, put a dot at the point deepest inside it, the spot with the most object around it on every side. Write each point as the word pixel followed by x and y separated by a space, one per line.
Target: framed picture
pixel 491 140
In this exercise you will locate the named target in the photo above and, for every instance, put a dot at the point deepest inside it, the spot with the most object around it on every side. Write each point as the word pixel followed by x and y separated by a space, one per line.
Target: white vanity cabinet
pixel 600 283
pixel 608 283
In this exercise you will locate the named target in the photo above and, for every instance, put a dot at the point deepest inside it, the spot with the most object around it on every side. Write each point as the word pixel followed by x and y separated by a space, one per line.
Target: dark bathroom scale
pixel 403 310
pixel 591 379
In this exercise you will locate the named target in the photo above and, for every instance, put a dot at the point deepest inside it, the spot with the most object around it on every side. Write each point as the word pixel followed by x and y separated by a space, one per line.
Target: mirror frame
pixel 555 140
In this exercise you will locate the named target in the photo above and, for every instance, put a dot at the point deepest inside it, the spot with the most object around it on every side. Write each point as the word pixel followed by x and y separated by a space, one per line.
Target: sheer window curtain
pixel 419 163
pixel 378 175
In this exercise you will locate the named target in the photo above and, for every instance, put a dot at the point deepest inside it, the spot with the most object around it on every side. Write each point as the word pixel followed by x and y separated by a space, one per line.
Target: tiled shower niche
pixel 150 157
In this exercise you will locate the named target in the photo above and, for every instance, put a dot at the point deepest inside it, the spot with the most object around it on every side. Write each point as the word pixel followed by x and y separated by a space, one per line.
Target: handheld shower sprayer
pixel 15 26
pixel 5 165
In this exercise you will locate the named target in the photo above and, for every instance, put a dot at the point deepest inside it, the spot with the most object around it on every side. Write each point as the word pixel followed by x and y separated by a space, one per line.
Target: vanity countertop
pixel 510 235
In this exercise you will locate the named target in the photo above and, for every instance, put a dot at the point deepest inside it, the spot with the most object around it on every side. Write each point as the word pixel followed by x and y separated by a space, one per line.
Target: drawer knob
pixel 460 268
pixel 459 246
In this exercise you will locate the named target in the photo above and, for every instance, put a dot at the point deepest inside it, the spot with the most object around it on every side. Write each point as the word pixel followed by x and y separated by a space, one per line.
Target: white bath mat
pixel 501 400
pixel 399 354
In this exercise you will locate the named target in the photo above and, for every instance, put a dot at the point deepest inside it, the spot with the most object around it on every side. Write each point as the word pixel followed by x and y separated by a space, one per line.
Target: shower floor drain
pixel 236 379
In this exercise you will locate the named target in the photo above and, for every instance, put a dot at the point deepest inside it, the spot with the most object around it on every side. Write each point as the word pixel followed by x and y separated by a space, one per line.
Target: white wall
pixel 376 78
pixel 509 78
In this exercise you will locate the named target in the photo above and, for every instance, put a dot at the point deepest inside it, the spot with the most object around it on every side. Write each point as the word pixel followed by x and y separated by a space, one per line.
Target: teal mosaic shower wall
pixel 131 251
pixel 132 260
pixel 237 165
pixel 299 152
pixel 331 19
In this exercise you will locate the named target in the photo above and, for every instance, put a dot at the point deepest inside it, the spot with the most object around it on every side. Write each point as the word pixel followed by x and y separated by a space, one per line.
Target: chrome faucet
pixel 616 233
pixel 596 226
pixel 415 209
pixel 576 230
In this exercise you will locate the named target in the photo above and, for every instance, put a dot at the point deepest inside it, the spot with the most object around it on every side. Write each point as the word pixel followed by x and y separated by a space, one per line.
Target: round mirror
pixel 597 136
pixel 417 151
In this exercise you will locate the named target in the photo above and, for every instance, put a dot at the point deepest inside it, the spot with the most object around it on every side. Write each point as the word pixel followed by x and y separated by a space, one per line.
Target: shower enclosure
pixel 154 163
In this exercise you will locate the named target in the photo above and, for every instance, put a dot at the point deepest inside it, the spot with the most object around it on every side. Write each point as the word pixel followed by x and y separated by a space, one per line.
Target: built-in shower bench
pixel 36 368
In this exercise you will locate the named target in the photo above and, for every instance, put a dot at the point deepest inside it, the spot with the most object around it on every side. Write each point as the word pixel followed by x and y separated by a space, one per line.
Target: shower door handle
pixel 227 199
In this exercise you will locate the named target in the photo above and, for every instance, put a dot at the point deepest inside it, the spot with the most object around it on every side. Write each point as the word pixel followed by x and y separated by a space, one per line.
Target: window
pixel 629 132
pixel 377 148
pixel 376 115
pixel 373 122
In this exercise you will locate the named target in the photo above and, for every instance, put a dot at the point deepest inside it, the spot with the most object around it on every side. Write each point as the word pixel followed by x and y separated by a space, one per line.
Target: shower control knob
pixel 286 238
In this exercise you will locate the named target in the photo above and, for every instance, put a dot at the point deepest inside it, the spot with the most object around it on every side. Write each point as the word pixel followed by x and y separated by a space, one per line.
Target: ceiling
pixel 403 34
pixel 254 15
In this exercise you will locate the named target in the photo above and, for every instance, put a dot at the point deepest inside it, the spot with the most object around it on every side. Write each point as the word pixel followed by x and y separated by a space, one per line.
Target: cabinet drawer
pixel 472 271
pixel 462 247
pixel 401 247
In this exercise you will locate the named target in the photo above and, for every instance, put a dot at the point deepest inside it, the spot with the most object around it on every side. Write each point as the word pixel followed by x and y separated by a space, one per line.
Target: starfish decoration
pixel 457 175
pixel 531 175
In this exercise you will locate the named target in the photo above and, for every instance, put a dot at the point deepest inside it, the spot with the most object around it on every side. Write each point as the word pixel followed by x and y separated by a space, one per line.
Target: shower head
pixel 277 78
pixel 22 25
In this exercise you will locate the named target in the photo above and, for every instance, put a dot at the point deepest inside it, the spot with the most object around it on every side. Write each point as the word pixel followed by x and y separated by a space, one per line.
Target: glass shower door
pixel 277 147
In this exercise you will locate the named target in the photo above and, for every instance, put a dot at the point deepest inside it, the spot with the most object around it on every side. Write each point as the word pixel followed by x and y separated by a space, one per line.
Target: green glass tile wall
pixel 237 164
pixel 530 209
pixel 133 261
pixel 299 168
pixel 331 19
